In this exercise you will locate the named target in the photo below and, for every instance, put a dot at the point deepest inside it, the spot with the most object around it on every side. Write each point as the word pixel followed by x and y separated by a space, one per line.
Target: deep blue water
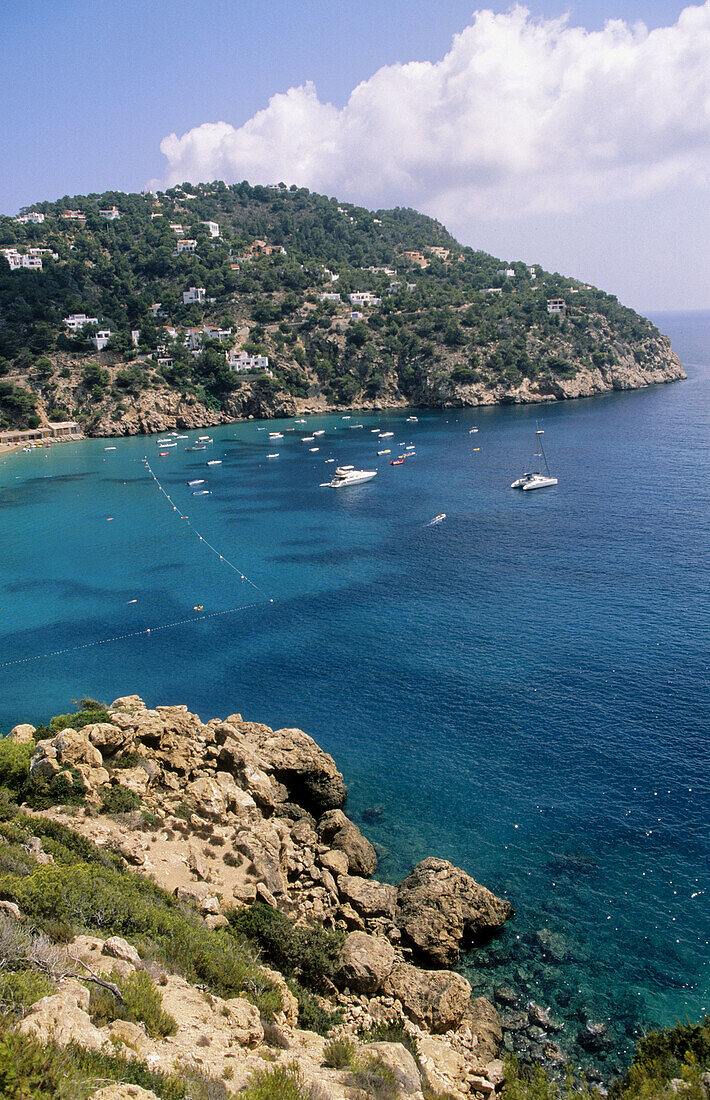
pixel 521 688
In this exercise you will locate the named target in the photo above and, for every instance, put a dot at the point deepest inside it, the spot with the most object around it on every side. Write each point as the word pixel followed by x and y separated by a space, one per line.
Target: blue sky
pixel 91 89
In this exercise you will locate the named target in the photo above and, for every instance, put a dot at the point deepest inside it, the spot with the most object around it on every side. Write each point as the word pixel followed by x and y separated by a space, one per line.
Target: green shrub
pixel 680 1051
pixel 339 1053
pixel 14 764
pixel 305 952
pixel 376 1079
pixel 119 800
pixel 279 1083
pixel 21 988
pixel 141 1003
pixel 64 789
pixel 87 716
pixel 311 1014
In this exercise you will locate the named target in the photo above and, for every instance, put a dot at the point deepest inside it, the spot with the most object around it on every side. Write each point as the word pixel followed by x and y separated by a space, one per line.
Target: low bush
pixel 90 713
pixel 141 1004
pixel 339 1053
pixel 14 764
pixel 119 800
pixel 307 953
pixel 279 1083
pixel 376 1079
pixel 682 1051
pixel 21 988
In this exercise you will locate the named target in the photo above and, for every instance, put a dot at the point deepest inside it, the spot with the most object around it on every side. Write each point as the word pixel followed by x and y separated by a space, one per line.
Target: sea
pixel 521 687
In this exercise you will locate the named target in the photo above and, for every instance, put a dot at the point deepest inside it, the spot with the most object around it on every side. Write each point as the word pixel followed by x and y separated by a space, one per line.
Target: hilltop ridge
pixel 202 304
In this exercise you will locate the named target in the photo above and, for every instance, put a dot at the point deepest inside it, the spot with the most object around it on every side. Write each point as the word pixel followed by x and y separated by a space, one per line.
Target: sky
pixel 573 135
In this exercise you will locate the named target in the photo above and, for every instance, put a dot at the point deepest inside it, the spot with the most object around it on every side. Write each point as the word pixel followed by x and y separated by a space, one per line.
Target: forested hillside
pixel 273 270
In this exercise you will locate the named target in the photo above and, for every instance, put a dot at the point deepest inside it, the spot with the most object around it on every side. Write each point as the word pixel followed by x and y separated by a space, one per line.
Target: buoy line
pixel 202 538
pixel 131 634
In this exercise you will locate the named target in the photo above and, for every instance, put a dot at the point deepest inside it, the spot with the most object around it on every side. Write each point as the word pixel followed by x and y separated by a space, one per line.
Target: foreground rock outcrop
pixel 233 812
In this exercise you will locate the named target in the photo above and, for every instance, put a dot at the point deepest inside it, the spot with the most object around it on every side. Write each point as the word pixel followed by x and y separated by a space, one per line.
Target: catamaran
pixel 536 479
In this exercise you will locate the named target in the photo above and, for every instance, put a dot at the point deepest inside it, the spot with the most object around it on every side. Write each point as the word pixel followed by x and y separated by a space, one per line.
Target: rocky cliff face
pixel 243 813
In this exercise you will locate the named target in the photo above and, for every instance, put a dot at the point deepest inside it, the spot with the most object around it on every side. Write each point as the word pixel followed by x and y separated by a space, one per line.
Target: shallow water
pixel 520 688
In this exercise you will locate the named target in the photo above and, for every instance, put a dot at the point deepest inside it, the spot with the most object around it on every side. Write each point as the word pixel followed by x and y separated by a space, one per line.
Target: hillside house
pixel 391 271
pixel 156 310
pixel 506 272
pixel 532 271
pixel 75 322
pixel 193 295
pixel 111 215
pixel 101 339
pixel 415 257
pixel 493 290
pixel 18 260
pixel 212 228
pixel 186 245
pixel 241 362
pixel 73 216
pixel 439 252
pixel 33 217
pixel 329 296
pixel 556 305
pixel 364 298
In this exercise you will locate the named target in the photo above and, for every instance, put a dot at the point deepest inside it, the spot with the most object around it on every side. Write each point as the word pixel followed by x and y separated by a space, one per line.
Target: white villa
pixel 194 294
pixel 101 339
pixel 186 245
pixel 329 296
pixel 364 298
pixel 391 271
pixel 213 228
pixel 111 215
pixel 241 361
pixel 507 272
pixel 77 321
pixel 34 217
pixel 556 305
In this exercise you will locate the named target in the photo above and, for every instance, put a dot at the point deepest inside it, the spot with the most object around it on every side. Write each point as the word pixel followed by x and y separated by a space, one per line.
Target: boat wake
pixel 437 519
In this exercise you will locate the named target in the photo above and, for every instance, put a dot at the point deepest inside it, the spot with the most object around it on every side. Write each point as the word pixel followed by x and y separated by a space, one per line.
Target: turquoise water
pixel 521 688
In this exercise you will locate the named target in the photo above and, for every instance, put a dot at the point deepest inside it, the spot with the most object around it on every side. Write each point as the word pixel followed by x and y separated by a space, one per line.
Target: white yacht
pixel 536 479
pixel 348 475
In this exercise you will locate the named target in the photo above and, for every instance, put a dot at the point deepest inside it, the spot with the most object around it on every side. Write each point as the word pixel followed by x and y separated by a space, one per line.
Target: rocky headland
pixel 228 815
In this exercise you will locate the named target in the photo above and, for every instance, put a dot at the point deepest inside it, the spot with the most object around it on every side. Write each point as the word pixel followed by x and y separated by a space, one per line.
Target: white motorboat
pixel 386 435
pixel 275 435
pixel 275 455
pixel 348 475
pixel 307 438
pixel 321 431
pixel 536 479
pixel 215 462
pixel 299 422
pixel 412 419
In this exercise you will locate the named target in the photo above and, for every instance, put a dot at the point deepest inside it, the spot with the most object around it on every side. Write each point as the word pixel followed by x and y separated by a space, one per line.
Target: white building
pixel 242 362
pixel 364 298
pixel 556 305
pixel 330 277
pixel 213 228
pixel 507 272
pixel 391 271
pixel 186 245
pixel 177 229
pixel 101 339
pixel 33 217
pixel 135 337
pixel 493 290
pixel 329 296
pixel 19 260
pixel 194 294
pixel 157 310
pixel 111 215
pixel 77 321
pixel 532 271
pixel 212 332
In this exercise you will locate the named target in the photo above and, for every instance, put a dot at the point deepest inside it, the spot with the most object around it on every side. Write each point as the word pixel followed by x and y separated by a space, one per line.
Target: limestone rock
pixel 342 834
pixel 485 1025
pixel 9 909
pixel 123 1092
pixel 60 1018
pixel 22 734
pixel 289 1004
pixel 397 1058
pixel 439 907
pixel 445 1067
pixel 244 1022
pixel 434 999
pixel 365 962
pixel 106 737
pixel 74 747
pixel 302 766
pixel 117 948
pixel 335 861
pixel 208 796
pixel 368 897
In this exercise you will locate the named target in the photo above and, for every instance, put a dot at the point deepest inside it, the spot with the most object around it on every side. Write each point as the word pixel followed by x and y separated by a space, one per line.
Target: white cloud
pixel 522 116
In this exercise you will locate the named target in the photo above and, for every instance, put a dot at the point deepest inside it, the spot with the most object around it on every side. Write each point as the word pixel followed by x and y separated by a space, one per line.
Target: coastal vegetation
pixel 188 285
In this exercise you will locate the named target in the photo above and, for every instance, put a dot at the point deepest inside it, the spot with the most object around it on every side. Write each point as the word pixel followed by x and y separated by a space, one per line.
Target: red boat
pixel 163 454
pixel 397 462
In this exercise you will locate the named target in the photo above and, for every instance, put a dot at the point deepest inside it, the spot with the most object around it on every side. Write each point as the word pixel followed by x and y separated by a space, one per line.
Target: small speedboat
pixel 412 419
pixel 276 455
pixel 162 442
pixel 109 448
pixel 410 447
pixel 215 462
pixel 386 435
pixel 374 429
pixel 202 493
pixel 397 462
pixel 472 431
pixel 345 418
pixel 386 452
pixel 354 427
pixel 197 481
pixel 299 421
pixel 275 435
pixel 321 431
pixel 312 449
pixel 308 439
pixel 163 454
pixel 204 439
